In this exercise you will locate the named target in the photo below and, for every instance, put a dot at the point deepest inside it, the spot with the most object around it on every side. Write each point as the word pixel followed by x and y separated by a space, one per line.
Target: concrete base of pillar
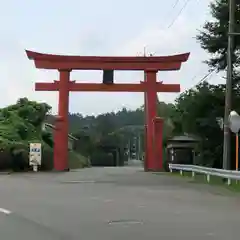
pixel 59 171
pixel 154 170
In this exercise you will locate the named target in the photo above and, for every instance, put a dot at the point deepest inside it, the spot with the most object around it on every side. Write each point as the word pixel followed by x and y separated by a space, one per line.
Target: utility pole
pixel 228 94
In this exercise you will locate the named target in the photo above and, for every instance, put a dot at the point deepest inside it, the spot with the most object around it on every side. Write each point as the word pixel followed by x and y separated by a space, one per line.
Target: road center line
pixel 5 211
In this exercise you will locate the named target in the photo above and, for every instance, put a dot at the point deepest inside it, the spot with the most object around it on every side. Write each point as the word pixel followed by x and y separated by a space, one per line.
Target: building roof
pixel 53 127
pixel 184 138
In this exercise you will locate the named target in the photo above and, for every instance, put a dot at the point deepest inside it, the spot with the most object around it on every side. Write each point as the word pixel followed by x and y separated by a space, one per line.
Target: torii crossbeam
pixel 150 87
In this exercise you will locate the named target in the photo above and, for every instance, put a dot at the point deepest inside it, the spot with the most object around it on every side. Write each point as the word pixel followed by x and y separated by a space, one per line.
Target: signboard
pixel 35 154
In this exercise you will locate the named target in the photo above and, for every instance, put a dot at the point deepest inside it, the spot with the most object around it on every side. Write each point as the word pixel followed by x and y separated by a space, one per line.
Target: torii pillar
pixel 158 143
pixel 151 113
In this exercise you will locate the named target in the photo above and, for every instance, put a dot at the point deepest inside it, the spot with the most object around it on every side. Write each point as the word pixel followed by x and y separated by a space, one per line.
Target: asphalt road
pixel 114 203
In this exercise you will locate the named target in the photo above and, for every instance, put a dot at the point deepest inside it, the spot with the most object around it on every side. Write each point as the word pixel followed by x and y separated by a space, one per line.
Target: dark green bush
pixel 48 138
pixel 101 158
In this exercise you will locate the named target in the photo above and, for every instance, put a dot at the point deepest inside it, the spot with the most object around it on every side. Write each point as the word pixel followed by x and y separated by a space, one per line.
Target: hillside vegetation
pixel 21 124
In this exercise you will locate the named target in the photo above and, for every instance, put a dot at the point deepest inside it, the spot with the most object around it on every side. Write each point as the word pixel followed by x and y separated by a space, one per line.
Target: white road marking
pixel 81 181
pixel 5 211
pixel 108 200
pixel 95 198
pixel 130 222
pixel 211 234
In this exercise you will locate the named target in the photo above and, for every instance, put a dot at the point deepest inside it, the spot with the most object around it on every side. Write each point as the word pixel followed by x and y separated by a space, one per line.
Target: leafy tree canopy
pixel 197 111
pixel 22 122
pixel 214 35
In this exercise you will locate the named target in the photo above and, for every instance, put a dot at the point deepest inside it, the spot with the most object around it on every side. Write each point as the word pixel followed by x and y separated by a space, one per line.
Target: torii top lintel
pixel 62 62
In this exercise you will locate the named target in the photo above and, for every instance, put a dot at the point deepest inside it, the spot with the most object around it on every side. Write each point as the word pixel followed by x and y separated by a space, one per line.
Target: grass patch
pixel 214 180
pixel 77 161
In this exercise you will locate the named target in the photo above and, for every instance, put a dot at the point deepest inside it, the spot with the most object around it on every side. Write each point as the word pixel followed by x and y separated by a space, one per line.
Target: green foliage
pixel 102 158
pixel 77 161
pixel 15 126
pixel 21 124
pixel 48 138
pixel 99 137
pixel 214 35
pixel 84 144
pixel 196 112
pixel 113 130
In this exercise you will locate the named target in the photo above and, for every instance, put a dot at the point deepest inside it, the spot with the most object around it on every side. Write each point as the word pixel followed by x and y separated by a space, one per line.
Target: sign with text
pixel 35 154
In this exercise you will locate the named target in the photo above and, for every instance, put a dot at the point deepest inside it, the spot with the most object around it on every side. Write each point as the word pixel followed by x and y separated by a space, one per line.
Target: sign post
pixel 234 122
pixel 35 155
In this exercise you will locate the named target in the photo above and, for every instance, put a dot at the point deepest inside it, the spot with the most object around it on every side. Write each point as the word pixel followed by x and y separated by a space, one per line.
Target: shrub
pixel 101 158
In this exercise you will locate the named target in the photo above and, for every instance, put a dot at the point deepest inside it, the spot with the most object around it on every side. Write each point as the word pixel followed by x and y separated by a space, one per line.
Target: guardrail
pixel 227 174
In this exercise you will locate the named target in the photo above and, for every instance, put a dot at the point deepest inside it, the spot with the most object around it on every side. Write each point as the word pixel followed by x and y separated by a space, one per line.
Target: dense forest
pixel 101 137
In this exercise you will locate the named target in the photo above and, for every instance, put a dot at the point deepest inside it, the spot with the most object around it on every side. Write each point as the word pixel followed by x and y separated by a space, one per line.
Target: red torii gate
pixel 150 65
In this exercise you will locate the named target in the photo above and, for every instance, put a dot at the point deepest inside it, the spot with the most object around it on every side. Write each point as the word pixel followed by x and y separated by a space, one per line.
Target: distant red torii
pixel 150 65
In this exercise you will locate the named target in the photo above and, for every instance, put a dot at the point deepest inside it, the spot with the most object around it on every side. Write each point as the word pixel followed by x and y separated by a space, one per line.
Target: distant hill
pixel 109 122
pixel 99 137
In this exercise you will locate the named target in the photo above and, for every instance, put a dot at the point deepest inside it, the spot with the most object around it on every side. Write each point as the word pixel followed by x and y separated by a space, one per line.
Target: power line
pixel 175 4
pixel 206 76
pixel 179 13
pixel 174 20
pixel 173 7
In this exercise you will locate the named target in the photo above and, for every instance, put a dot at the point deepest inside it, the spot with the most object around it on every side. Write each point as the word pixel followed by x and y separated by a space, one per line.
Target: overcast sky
pixel 95 27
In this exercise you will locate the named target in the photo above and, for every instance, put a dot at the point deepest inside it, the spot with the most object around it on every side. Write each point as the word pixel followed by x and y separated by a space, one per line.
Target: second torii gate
pixel 150 87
